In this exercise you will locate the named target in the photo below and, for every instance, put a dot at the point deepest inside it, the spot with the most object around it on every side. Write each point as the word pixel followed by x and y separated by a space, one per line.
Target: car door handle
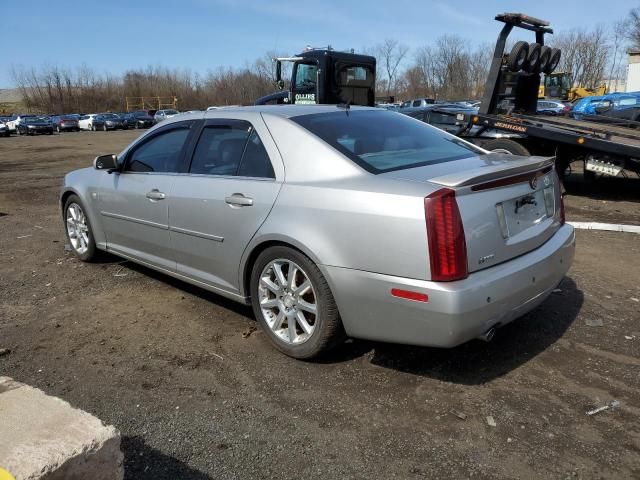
pixel 155 194
pixel 239 200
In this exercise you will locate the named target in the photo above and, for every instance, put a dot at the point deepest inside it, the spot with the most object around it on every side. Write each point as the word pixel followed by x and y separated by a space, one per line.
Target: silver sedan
pixel 331 222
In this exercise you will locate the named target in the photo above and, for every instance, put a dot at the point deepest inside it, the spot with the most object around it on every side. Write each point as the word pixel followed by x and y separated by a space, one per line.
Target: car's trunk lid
pixel 509 204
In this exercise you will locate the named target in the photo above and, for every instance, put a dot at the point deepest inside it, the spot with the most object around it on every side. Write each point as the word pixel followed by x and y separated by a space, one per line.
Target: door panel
pixel 134 224
pixel 212 219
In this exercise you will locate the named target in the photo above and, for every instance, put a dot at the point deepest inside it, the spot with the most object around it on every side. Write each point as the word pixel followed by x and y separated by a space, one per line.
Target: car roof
pixel 286 111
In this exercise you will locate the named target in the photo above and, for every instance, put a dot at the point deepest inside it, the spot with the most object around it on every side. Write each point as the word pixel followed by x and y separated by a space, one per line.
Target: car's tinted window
pixel 220 148
pixel 159 154
pixel 255 161
pixel 381 141
pixel 417 103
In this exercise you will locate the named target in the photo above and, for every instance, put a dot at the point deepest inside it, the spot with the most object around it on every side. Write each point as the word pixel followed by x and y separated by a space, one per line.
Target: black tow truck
pixel 509 107
pixel 326 76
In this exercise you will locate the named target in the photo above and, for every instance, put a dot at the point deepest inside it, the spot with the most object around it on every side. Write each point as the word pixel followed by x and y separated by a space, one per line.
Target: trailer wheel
pixel 545 56
pixel 533 59
pixel 518 56
pixel 554 60
pixel 504 145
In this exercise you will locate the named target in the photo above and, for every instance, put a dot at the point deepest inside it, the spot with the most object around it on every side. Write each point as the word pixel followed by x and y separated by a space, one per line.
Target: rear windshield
pixel 381 141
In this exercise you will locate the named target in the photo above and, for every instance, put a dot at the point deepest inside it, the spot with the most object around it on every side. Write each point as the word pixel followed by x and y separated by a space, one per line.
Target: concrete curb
pixel 606 227
pixel 44 437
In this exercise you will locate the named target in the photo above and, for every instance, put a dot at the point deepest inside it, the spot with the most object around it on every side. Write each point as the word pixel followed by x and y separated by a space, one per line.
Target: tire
pixel 91 253
pixel 137 126
pixel 554 60
pixel 533 59
pixel 92 128
pixel 518 56
pixel 58 128
pixel 104 127
pixel 504 145
pixel 325 325
pixel 545 56
pixel 50 132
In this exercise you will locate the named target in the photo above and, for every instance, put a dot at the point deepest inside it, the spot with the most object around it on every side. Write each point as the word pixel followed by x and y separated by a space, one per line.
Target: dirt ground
pixel 168 364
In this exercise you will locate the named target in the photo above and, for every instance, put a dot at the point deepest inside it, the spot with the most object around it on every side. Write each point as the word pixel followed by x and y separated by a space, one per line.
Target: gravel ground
pixel 168 363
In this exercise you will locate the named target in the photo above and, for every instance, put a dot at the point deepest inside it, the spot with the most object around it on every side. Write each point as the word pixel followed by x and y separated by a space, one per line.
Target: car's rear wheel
pixel 293 303
pixel 92 128
pixel 504 145
pixel 78 230
pixel 104 127
pixel 58 128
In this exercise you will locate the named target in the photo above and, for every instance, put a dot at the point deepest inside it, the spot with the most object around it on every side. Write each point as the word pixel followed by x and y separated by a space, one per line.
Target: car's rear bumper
pixel 455 311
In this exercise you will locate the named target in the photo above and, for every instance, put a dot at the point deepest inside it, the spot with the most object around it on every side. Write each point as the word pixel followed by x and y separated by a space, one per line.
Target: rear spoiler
pixel 507 167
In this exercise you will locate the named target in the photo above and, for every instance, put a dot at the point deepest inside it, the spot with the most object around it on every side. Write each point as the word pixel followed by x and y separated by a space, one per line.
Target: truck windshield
pixel 383 141
pixel 306 77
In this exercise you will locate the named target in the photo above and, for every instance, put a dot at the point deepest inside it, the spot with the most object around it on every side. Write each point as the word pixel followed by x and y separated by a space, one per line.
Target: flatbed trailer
pixel 508 111
pixel 604 149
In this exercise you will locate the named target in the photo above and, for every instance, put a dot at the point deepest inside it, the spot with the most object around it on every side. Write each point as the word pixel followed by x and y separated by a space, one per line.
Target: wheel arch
pixel 257 247
pixel 96 224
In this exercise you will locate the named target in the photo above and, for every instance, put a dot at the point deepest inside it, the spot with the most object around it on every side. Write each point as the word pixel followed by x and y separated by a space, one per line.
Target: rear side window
pixel 159 154
pixel 382 141
pixel 233 149
pixel 220 148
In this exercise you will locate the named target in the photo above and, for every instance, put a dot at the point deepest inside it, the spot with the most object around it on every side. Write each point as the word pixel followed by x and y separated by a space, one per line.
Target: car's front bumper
pixel 455 311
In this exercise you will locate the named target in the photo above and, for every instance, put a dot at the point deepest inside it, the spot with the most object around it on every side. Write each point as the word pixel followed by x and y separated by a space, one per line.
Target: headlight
pixel 31 126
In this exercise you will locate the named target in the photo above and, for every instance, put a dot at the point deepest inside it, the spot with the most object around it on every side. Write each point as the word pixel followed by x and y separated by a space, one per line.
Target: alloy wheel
pixel 288 301
pixel 77 228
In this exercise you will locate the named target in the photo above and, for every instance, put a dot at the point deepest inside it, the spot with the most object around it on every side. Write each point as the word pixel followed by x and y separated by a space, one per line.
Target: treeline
pixel 450 68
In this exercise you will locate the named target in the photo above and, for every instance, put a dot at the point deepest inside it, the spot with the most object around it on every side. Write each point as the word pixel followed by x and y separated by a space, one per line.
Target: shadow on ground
pixel 477 362
pixel 604 188
pixel 141 462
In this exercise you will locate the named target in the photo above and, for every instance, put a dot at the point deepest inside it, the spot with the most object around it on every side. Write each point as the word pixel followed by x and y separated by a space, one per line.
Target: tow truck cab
pixel 326 76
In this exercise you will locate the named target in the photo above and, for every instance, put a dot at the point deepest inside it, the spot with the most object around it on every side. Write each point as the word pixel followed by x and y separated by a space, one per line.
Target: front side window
pixel 159 154
pixel 382 141
pixel 417 103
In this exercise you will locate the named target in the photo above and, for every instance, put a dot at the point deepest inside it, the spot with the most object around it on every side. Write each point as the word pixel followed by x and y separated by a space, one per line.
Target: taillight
pixel 447 246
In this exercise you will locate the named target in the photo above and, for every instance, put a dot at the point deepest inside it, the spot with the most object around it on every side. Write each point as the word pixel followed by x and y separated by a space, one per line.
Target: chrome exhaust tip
pixel 488 335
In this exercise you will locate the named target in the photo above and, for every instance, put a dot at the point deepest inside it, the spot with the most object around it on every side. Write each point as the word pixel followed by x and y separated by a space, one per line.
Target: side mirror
pixel 280 84
pixel 106 162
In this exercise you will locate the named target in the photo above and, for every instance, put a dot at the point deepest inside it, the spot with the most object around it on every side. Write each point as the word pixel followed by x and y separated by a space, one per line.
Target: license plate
pixel 603 167
pixel 518 214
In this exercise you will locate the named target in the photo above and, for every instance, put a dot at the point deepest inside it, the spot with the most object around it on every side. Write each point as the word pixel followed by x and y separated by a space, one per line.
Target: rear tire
pixel 504 145
pixel 104 127
pixel 518 56
pixel 325 326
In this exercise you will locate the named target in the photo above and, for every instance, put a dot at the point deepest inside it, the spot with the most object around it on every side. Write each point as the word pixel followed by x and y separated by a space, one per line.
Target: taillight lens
pixel 447 246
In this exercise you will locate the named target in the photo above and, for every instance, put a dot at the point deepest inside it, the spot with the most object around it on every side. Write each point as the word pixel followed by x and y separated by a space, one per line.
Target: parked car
pixel 384 227
pixel 417 102
pixel 4 129
pixel 138 119
pixel 441 115
pixel 92 121
pixel 552 107
pixel 585 106
pixel 619 108
pixel 15 121
pixel 34 126
pixel 64 123
pixel 113 121
pixel 161 115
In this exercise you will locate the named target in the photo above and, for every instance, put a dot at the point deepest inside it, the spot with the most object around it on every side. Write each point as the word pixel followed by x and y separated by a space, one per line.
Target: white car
pixel 93 121
pixel 4 129
pixel 161 115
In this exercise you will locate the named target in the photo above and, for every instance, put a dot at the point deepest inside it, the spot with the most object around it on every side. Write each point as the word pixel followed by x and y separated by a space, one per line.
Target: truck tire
pixel 504 145
pixel 554 60
pixel 518 56
pixel 533 59
pixel 545 56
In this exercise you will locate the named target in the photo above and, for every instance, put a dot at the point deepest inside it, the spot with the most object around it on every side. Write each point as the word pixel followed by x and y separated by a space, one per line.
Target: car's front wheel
pixel 78 230
pixel 293 303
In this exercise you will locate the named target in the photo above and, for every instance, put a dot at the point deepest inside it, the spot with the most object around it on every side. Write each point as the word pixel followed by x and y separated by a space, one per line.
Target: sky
pixel 201 35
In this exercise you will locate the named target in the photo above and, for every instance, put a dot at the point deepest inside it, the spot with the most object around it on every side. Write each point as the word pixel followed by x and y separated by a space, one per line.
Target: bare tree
pixel 633 27
pixel 390 55
pixel 584 54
